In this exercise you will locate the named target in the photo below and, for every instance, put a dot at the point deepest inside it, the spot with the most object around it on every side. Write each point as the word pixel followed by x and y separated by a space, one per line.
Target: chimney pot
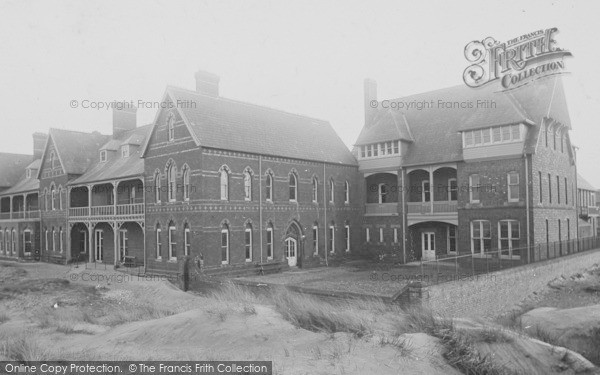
pixel 39 142
pixel 207 83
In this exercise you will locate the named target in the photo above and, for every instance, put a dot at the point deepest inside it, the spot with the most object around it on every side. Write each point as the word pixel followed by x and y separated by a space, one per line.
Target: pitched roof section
pixel 227 124
pixel 77 150
pixel 12 168
pixel 118 167
pixel 23 186
pixel 435 129
pixel 583 184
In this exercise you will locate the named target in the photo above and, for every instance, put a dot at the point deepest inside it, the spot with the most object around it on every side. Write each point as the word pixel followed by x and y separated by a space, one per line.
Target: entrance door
pixel 428 245
pixel 290 251
pixel 99 245
pixel 123 242
pixel 83 242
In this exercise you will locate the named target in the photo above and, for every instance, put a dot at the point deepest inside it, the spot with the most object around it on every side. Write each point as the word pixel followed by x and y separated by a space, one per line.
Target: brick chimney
pixel 370 95
pixel 124 119
pixel 207 83
pixel 39 142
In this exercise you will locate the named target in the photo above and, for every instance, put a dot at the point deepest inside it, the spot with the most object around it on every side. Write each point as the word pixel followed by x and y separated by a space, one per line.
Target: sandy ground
pixel 175 325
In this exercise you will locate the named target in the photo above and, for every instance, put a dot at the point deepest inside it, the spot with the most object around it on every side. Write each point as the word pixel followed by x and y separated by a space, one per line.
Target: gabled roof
pixel 12 168
pixel 75 150
pixel 24 185
pixel 435 129
pixel 117 167
pixel 583 184
pixel 220 123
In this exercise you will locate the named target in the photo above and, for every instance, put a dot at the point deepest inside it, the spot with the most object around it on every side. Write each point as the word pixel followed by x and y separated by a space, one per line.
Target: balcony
pixel 593 210
pixel 446 211
pixel 121 211
pixel 32 214
pixel 381 209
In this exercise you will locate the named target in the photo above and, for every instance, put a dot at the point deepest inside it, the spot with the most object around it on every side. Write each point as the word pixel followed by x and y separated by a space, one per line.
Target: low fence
pixel 461 267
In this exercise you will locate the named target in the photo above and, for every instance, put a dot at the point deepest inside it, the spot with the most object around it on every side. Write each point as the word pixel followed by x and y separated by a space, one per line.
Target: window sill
pixel 248 260
pixel 481 256
pixel 172 260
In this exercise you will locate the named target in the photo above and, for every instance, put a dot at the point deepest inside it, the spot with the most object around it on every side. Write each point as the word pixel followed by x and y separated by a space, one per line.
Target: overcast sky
pixel 307 57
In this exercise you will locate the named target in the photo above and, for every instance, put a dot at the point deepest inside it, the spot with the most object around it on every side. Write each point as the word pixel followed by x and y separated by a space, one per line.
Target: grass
pixel 4 317
pixel 22 347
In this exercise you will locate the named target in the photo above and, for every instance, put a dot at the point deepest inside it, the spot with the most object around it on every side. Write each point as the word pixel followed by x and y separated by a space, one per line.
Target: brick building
pixel 236 185
pixel 467 171
pixel 587 208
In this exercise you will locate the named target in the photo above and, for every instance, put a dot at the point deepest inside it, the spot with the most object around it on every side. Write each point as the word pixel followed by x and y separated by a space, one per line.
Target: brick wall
pixel 488 296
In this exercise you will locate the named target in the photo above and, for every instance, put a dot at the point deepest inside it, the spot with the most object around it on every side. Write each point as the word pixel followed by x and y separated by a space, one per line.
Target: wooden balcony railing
pixel 425 208
pixel 31 214
pixel 121 210
pixel 381 208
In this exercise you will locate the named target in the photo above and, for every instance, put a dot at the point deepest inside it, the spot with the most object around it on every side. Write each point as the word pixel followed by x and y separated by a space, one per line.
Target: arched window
pixel 225 244
pixel 248 184
pixel 186 239
pixel 158 242
pixel 347 235
pixel 172 241
pixel 224 176
pixel 53 197
pixel 13 239
pixel 46 207
pixel 315 237
pixel 293 187
pixel 60 239
pixel 248 242
pixel 269 187
pixel 60 198
pixel 171 126
pixel 331 191
pixel 346 192
pixel 315 189
pixel 186 182
pixel 53 239
pixel 270 240
pixel 172 181
pixel 47 237
pixel 157 187
pixel 383 192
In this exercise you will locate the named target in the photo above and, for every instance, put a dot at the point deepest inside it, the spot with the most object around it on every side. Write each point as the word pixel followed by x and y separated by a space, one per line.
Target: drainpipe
pixel 260 213
pixel 325 215
pixel 403 218
pixel 144 229
pixel 527 207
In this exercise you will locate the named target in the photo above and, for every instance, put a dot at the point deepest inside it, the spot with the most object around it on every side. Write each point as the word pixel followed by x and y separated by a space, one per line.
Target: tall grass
pixel 22 347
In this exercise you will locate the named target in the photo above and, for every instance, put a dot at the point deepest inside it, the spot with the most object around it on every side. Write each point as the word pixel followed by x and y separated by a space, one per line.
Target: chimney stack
pixel 370 96
pixel 207 83
pixel 39 142
pixel 124 119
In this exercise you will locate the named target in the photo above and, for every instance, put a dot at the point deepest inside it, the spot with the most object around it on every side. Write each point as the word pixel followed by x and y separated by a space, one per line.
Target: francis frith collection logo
pixel 516 62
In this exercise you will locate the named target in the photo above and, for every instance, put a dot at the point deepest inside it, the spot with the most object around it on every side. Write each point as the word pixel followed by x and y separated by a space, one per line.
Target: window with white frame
pixel 46 207
pixel 395 235
pixel 47 236
pixel 186 182
pixel 368 234
pixel 53 239
pixel 125 151
pixel 60 198
pixel 123 244
pixel 224 177
pixel 60 239
pixel 158 242
pixel 132 194
pixel 331 191
pixel 379 149
pixel 186 240
pixel 225 244
pixel 509 233
pixel 383 193
pixel 425 191
pixel 269 187
pixel 172 181
pixel 248 184
pixel 451 239
pixel 157 187
pixel 53 194
pixel 248 242
pixel 172 242
pixel 171 127
pixel 315 238
pixel 381 240
pixel 513 186
pixel 270 241
pixel 347 236
pixel 481 237
pixel 293 182
pixel 494 135
pixel 13 238
pixel 452 189
pixel 315 189
pixel 346 192
pixel 331 237
pixel 103 156
pixel 474 187
pixel 1 241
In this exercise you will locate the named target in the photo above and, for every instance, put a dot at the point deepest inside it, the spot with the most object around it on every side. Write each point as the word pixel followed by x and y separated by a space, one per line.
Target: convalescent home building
pixel 467 170
pixel 239 185
pixel 587 208
pixel 19 210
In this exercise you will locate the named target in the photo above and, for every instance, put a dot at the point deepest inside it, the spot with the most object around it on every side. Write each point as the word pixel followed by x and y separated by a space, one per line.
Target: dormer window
pixel 381 149
pixel 493 135
pixel 28 173
pixel 103 156
pixel 125 151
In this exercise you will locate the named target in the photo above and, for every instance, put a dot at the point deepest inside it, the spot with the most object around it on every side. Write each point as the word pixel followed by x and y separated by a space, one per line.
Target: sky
pixel 306 57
